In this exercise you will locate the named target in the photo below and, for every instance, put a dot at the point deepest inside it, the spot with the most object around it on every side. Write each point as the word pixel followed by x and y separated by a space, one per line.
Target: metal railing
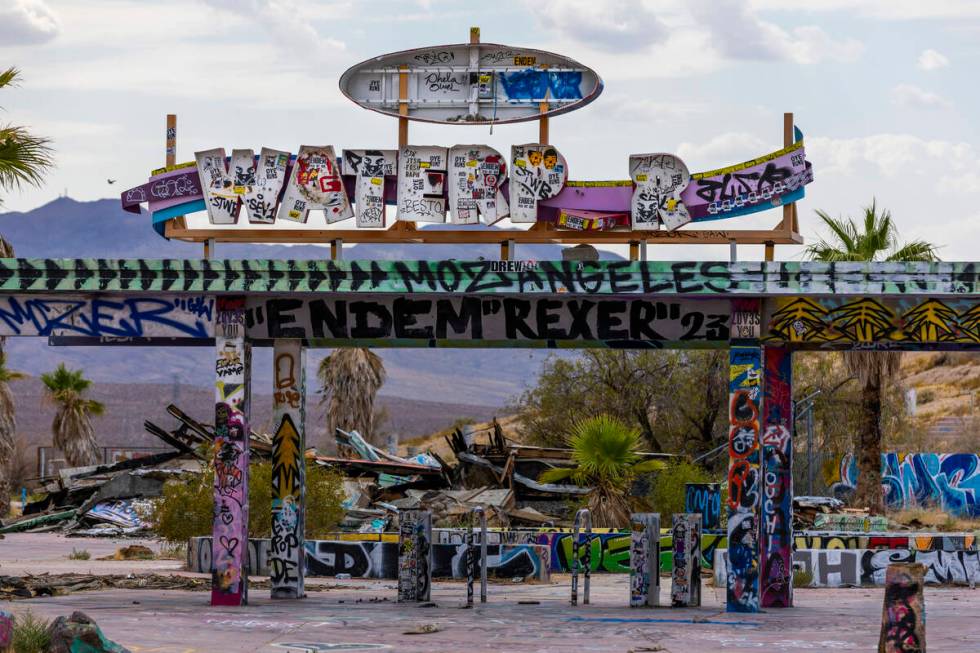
pixel 576 563
pixel 471 557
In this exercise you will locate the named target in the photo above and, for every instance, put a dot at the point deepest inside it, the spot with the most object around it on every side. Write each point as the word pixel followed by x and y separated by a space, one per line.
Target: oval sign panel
pixel 481 83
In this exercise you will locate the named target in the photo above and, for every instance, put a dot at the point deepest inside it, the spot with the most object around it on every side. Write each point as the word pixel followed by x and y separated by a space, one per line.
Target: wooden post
pixel 403 106
pixel 336 249
pixel 170 156
pixel 543 135
pixel 634 250
pixel 770 250
pixel 171 139
pixel 788 209
pixel 507 250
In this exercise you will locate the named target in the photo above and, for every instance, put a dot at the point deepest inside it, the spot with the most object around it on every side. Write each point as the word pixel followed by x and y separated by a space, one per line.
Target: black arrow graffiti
pixel 106 274
pixel 190 275
pixel 82 273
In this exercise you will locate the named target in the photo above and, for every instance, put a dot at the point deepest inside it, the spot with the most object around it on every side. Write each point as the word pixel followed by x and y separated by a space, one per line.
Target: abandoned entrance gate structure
pixel 761 312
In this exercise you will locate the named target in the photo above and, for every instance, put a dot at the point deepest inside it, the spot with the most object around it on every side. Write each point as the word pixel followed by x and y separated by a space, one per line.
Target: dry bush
pixel 186 508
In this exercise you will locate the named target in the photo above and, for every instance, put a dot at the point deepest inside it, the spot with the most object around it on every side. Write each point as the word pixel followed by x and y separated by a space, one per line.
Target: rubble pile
pixel 488 471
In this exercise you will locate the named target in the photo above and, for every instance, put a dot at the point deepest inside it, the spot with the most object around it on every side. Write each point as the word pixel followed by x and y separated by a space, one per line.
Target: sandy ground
pixel 360 614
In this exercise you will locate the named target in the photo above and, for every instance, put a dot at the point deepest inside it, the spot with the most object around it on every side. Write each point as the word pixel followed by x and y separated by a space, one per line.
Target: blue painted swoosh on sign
pixel 161 216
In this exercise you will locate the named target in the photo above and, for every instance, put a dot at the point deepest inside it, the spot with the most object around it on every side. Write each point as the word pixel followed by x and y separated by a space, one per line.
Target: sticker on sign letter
pixel 537 172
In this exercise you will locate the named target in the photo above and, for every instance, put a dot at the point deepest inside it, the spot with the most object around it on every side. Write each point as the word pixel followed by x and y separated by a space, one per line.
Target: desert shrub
pixel 802 578
pixel 926 396
pixel 79 554
pixel 186 508
pixel 30 634
pixel 667 487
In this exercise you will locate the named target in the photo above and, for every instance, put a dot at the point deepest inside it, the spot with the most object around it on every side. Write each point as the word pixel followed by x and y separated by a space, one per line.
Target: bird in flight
pixel 111 181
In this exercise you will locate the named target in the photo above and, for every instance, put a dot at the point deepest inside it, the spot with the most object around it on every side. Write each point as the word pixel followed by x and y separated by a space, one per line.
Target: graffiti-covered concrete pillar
pixel 705 499
pixel 776 539
pixel 685 586
pixel 644 559
pixel 414 555
pixel 744 402
pixel 286 559
pixel 229 579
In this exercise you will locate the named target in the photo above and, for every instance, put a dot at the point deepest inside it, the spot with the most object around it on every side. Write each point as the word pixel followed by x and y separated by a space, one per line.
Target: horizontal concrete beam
pixel 743 278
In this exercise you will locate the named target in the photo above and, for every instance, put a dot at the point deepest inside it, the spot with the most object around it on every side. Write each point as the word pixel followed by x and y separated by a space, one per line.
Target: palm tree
pixel 350 379
pixel 72 426
pixel 605 451
pixel 24 157
pixel 8 429
pixel 875 240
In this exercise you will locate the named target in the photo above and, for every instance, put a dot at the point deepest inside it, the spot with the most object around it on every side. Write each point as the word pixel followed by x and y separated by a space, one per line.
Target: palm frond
pixel 917 250
pixel 876 240
pixel 24 158
pixel 557 475
pixel 648 466
pixel 9 77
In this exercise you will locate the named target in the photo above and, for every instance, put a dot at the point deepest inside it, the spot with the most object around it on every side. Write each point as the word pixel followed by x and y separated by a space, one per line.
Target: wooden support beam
pixel 770 250
pixel 170 153
pixel 403 234
pixel 634 250
pixel 787 223
pixel 403 106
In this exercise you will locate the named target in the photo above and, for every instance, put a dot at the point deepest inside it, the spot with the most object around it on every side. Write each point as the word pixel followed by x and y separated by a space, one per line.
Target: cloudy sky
pixel 885 90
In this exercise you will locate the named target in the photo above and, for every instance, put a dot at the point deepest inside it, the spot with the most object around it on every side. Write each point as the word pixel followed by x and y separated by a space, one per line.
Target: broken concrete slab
pixel 80 634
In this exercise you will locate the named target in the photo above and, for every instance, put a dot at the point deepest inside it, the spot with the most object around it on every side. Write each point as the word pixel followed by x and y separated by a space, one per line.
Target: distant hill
pixel 101 229
pixel 129 404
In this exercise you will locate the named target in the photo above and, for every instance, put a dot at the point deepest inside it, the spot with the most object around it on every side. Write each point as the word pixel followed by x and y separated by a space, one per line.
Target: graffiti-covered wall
pixel 950 481
pixel 866 568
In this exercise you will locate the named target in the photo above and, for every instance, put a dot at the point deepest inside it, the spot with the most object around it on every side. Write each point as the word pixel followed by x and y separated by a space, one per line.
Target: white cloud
pixel 613 26
pixel 287 24
pixel 740 34
pixel 909 95
pixel 24 22
pixel 678 38
pixel 722 150
pixel 947 164
pixel 883 9
pixel 931 60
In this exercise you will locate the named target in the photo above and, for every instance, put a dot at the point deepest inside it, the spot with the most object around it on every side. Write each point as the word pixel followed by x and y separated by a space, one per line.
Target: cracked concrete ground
pixel 351 616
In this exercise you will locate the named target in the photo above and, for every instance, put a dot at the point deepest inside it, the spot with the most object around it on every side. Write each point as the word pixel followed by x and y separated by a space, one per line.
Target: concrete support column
pixel 704 498
pixel 685 586
pixel 229 579
pixel 903 618
pixel 776 539
pixel 644 559
pixel 414 555
pixel 744 482
pixel 287 554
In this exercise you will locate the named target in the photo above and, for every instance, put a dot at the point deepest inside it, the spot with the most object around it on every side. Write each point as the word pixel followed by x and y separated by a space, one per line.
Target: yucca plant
pixel 606 455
